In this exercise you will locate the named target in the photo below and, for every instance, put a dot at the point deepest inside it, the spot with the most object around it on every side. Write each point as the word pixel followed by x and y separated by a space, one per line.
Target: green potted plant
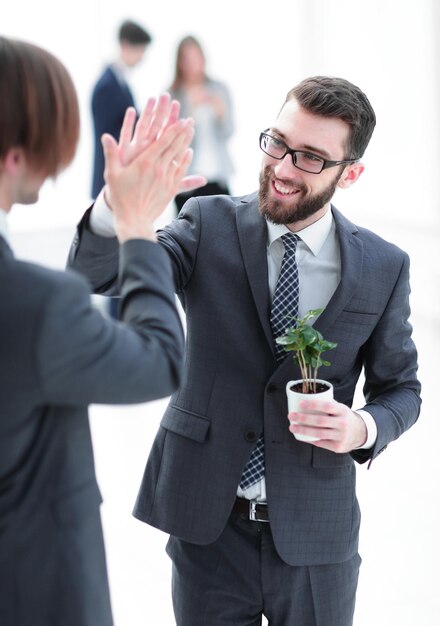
pixel 307 345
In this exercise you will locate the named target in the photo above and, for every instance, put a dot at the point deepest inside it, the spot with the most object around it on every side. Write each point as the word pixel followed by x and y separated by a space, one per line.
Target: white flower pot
pixel 294 398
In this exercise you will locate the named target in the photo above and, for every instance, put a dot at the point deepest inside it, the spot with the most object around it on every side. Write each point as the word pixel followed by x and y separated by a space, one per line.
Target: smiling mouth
pixel 283 189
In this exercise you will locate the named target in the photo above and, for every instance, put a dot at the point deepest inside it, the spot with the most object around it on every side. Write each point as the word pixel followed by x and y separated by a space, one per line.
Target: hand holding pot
pixel 333 425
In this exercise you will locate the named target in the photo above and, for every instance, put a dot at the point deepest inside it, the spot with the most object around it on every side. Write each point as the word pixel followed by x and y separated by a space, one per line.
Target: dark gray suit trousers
pixel 240 577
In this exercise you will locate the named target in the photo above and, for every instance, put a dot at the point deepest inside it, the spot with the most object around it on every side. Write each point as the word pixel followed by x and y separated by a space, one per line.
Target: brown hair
pixel 336 97
pixel 38 106
pixel 189 40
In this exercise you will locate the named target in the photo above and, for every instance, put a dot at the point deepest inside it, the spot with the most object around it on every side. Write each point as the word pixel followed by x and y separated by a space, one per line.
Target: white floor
pixel 399 496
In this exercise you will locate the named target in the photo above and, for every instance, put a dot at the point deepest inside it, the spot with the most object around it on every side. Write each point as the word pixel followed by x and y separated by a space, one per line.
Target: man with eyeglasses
pixel 285 546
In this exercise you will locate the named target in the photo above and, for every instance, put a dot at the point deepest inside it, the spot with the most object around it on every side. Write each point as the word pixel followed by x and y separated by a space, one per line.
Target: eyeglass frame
pixel 326 163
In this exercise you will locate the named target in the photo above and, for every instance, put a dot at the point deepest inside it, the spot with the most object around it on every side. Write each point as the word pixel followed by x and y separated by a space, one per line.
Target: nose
pixel 286 169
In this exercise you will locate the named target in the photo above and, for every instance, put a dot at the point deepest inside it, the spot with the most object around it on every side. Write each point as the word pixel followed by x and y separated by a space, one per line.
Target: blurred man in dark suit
pixel 112 95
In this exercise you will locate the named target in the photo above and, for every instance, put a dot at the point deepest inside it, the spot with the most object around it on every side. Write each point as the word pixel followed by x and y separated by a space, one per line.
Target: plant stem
pixel 304 373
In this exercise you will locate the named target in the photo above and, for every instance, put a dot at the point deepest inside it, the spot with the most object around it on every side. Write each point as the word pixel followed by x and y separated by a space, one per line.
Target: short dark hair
pixel 38 107
pixel 132 33
pixel 330 96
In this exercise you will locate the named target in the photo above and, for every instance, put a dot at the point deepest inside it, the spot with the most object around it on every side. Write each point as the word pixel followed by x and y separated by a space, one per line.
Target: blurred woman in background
pixel 208 102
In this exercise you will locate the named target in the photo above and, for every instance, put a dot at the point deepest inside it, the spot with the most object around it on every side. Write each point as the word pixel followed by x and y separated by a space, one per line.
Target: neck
pixel 295 227
pixel 5 199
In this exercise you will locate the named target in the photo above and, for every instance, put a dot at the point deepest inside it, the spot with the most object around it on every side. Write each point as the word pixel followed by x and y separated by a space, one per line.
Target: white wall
pixel 387 47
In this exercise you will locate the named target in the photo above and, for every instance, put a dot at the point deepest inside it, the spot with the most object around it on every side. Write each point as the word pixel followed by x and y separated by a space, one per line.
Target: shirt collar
pixel 313 236
pixel 121 71
pixel 4 225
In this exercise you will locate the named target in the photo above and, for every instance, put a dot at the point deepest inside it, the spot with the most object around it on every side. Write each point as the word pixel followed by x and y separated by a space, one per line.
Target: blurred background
pixel 390 49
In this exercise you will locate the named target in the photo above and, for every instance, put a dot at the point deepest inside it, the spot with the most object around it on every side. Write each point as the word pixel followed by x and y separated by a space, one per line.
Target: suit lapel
pixel 252 234
pixel 351 249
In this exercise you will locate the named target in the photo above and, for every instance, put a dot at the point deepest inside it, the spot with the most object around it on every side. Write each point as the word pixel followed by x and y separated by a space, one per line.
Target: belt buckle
pixel 253 513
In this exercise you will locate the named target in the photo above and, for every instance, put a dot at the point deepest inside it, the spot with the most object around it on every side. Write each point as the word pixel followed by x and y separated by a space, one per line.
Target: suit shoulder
pixel 105 83
pixel 224 203
pixel 32 278
pixel 378 243
pixel 32 291
pixel 107 76
pixel 372 242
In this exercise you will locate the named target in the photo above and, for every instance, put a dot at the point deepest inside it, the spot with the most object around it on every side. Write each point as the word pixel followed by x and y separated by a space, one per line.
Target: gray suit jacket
pixel 233 388
pixel 57 355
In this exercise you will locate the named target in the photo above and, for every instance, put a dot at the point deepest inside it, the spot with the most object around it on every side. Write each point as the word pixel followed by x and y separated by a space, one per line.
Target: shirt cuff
pixel 371 429
pixel 101 218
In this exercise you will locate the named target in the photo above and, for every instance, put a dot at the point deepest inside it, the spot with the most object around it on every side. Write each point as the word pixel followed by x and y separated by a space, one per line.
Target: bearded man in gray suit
pixel 285 546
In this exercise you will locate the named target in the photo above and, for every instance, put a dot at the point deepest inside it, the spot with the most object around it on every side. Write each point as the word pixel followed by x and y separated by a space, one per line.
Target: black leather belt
pixel 251 509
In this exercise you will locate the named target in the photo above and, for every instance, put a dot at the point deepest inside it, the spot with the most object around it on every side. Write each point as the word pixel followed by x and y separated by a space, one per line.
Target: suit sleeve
pixel 97 257
pixel 109 103
pixel 83 357
pixel 108 108
pixel 391 388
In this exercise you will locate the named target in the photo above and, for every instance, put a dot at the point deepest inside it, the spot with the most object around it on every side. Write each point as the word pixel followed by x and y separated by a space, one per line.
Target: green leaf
pixel 306 342
pixel 309 335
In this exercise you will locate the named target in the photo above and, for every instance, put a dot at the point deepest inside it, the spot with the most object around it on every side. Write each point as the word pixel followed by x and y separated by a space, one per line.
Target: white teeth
pixel 282 189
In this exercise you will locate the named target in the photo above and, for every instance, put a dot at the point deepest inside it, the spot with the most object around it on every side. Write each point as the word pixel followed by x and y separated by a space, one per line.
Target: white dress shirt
pixel 121 71
pixel 317 252
pixel 4 225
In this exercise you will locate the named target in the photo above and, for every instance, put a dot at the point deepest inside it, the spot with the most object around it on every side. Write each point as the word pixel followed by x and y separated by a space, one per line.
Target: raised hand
pixel 146 168
pixel 156 116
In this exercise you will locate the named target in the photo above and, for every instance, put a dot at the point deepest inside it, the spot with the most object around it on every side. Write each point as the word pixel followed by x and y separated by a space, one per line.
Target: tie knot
pixel 290 240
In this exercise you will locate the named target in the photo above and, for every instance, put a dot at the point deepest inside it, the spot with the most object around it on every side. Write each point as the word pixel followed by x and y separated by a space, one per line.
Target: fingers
pixel 192 182
pixel 171 145
pixel 161 114
pixel 155 117
pixel 181 168
pixel 126 133
pixel 143 124
pixel 174 113
pixel 330 407
pixel 109 147
pixel 329 422
pixel 179 141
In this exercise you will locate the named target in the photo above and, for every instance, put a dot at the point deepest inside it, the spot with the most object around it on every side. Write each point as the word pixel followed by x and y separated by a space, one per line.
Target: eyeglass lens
pixel 303 160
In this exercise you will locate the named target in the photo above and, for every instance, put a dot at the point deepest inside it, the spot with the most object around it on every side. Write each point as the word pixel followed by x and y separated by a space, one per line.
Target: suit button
pixel 271 387
pixel 251 435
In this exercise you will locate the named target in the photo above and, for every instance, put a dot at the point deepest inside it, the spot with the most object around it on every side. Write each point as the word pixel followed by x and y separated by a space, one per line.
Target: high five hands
pixel 147 167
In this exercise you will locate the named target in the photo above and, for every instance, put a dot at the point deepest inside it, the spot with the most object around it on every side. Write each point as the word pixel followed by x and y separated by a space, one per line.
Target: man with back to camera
pixel 112 95
pixel 58 354
pixel 284 542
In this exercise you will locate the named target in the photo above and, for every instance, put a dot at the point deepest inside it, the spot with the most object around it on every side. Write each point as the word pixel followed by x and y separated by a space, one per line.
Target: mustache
pixel 267 175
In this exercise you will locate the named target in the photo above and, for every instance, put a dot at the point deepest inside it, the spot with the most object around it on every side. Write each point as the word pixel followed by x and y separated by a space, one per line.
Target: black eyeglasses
pixel 305 161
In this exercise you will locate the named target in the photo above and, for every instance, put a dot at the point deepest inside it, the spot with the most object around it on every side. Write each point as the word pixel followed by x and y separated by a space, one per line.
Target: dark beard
pixel 278 213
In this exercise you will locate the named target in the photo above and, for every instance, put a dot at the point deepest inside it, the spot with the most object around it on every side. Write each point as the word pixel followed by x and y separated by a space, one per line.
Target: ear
pixel 14 161
pixel 350 175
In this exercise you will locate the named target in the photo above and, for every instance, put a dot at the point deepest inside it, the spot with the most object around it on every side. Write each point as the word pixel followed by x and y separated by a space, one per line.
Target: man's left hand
pixel 337 427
